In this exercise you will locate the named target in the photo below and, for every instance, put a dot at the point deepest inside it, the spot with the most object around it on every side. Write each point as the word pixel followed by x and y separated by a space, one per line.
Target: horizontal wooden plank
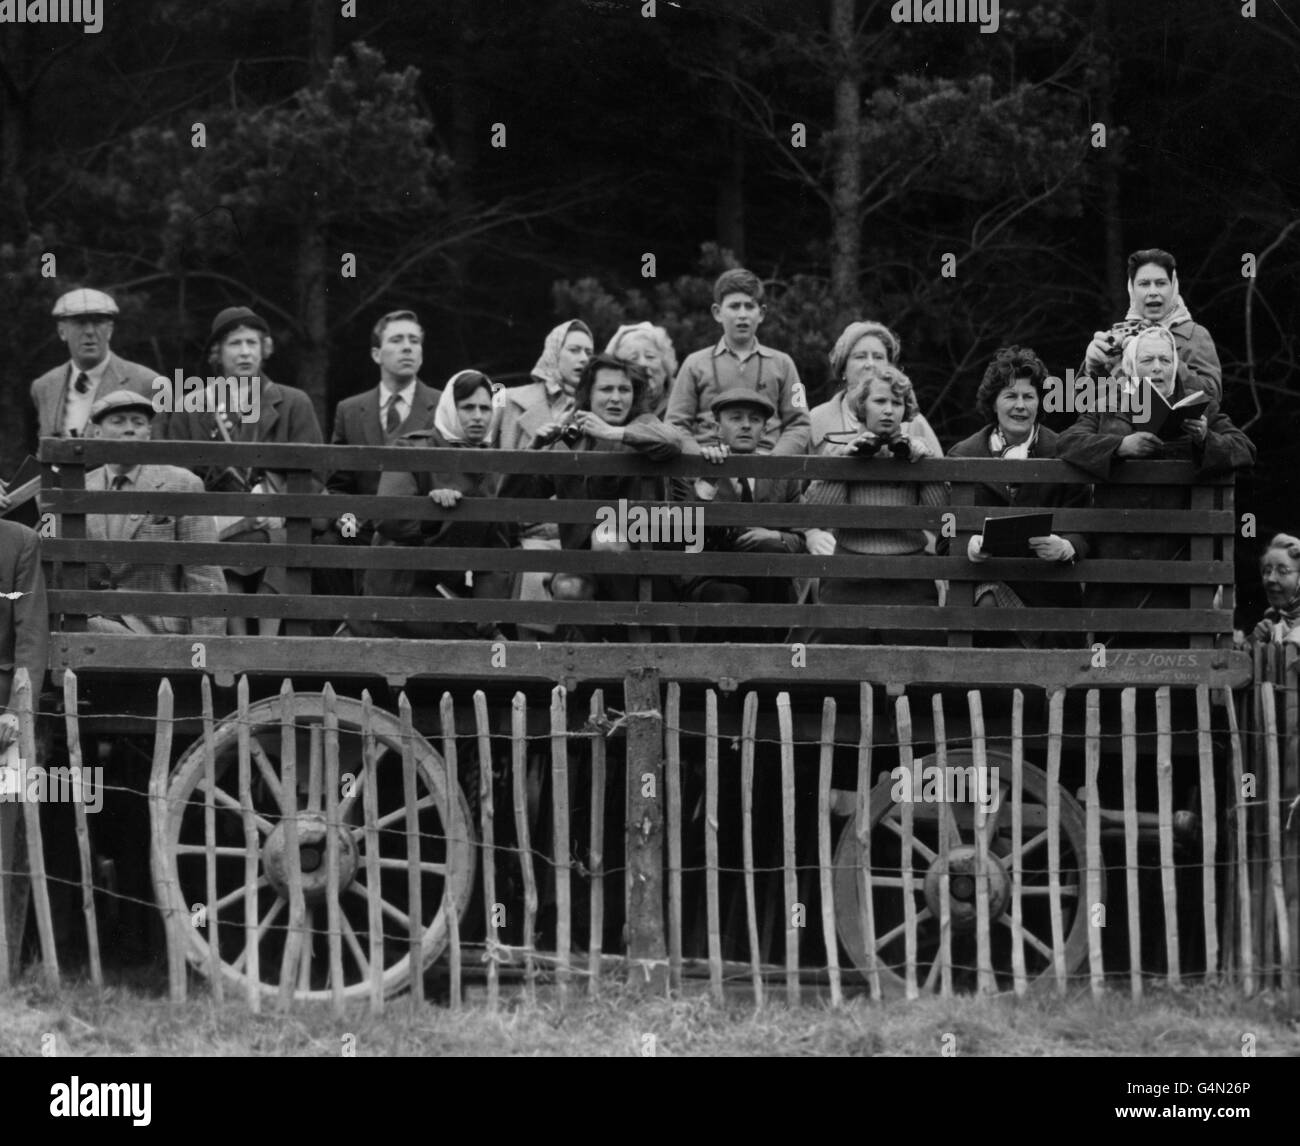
pixel 401 660
pixel 585 511
pixel 92 452
pixel 644 562
pixel 642 613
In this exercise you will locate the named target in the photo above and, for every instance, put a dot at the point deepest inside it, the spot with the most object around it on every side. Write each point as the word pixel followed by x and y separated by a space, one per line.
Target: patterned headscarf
pixel 547 369
pixel 1177 312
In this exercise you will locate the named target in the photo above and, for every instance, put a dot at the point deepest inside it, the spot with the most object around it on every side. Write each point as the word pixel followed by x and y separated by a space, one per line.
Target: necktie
pixel 119 482
pixel 393 417
pixel 746 494
pixel 82 383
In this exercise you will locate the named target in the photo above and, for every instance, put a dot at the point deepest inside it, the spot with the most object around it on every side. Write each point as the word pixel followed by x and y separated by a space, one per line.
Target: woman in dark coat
pixel 465 419
pixel 1100 442
pixel 1010 399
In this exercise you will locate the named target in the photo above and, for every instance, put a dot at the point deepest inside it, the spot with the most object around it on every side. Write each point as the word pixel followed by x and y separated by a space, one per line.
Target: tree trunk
pixel 730 202
pixel 846 229
pixel 1113 238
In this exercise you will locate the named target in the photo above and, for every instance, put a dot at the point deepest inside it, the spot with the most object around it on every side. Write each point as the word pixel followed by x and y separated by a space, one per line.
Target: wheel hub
pixel 312 835
pixel 961 886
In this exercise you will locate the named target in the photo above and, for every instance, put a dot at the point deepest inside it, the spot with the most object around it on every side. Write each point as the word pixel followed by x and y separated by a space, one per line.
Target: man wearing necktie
pixel 400 404
pixel 741 414
pixel 64 396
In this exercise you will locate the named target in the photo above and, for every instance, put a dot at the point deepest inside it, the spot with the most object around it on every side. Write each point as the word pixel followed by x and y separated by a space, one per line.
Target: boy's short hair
pixel 377 334
pixel 1162 259
pixel 738 281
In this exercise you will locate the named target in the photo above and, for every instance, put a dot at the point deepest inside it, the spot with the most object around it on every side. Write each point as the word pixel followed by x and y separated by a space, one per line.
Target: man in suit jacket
pixel 401 404
pixel 124 416
pixel 64 395
pixel 240 341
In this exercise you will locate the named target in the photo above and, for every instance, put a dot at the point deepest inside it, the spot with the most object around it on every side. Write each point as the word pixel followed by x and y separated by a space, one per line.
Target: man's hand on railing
pixel 821 542
pixel 1140 444
pixel 714 453
pixel 447 498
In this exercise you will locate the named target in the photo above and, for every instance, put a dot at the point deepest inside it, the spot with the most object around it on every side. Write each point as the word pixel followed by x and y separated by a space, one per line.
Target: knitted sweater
pixel 877 542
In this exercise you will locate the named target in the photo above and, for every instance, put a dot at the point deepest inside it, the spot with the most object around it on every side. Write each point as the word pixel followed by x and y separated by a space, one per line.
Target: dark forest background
pixel 372 135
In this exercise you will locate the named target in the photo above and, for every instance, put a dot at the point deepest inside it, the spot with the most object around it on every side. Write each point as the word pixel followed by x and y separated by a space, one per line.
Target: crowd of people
pixel 735 397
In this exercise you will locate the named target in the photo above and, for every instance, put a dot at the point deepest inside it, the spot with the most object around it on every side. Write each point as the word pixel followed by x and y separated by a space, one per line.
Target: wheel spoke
pixel 350 938
pixel 402 865
pixel 895 932
pixel 1068 891
pixel 262 928
pixel 267 769
pixel 1030 938
pixel 935 968
pixel 226 800
pixel 346 803
pixel 238 894
pixel 387 908
pixel 1028 845
pixel 992 818
pixel 221 852
pixel 897 828
pixel 392 817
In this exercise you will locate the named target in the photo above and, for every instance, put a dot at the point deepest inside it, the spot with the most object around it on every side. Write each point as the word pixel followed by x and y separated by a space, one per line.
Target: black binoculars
pixel 865 448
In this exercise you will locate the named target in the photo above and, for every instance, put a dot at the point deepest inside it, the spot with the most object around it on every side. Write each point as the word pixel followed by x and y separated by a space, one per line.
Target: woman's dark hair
pixel 468 382
pixel 1162 259
pixel 635 374
pixel 1009 364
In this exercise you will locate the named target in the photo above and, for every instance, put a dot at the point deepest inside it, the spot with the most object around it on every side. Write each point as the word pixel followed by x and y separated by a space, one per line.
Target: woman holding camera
pixel 609 415
pixel 883 408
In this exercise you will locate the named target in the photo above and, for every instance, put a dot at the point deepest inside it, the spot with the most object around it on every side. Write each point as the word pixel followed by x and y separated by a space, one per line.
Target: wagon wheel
pixel 446 848
pixel 887 891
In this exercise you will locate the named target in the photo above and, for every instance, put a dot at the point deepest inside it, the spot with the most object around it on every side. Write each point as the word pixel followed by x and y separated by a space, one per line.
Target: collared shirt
pixel 707 373
pixel 76 407
pixel 405 399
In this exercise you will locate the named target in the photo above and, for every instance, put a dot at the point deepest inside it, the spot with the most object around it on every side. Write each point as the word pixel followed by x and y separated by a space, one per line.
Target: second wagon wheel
pixel 888 905
pixel 446 848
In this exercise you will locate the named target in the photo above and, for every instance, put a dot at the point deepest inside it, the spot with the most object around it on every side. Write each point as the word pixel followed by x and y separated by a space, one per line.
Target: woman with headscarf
pixel 650 348
pixel 1279 569
pixel 1098 443
pixel 1009 399
pixel 466 418
pixel 1155 299
pixel 880 408
pixel 549 396
pixel 610 416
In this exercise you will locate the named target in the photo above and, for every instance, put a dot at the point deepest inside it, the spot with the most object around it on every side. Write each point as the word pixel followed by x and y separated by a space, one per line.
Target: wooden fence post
pixel 646 948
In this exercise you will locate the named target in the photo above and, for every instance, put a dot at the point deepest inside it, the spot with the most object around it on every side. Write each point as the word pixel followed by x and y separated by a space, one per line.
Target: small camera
pixel 571 435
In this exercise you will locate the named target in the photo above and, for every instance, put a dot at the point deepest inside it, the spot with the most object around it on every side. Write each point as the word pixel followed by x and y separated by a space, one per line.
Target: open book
pixel 1009 536
pixel 1167 419
pixel 22 491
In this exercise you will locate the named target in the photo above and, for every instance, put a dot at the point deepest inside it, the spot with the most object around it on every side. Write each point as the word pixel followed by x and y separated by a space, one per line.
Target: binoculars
pixel 869 449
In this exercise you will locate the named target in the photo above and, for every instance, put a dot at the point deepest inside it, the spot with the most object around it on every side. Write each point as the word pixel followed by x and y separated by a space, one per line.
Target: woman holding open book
pixel 1010 399
pixel 1100 442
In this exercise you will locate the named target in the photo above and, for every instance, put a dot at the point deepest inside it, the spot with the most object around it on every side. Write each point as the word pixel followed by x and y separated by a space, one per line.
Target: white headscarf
pixel 1128 363
pixel 446 418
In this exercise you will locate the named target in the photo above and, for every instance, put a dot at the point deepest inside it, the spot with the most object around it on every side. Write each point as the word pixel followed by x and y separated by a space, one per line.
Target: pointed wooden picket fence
pixel 897 931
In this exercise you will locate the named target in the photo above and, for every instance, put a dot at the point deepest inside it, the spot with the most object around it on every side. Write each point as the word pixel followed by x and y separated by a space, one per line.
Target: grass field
pixel 127 1020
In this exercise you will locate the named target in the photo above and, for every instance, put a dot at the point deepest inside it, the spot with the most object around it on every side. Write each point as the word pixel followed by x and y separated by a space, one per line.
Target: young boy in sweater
pixel 739 360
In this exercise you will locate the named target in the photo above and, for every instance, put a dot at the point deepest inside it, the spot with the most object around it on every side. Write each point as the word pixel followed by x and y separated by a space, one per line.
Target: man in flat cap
pixel 741 414
pixel 64 395
pixel 238 345
pixel 124 416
